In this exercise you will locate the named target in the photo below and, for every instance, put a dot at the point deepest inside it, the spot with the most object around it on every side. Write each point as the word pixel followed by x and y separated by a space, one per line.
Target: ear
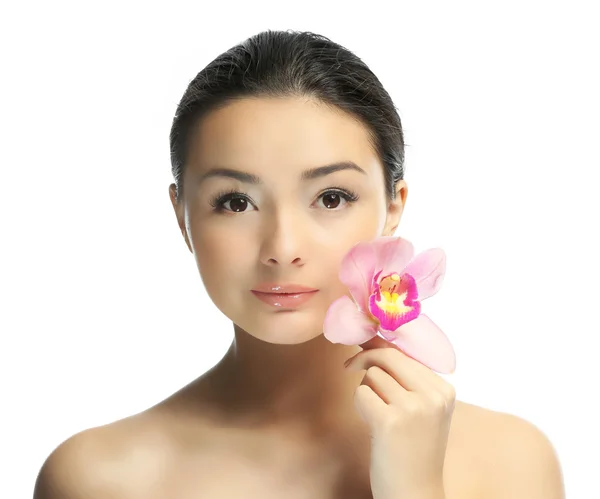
pixel 395 208
pixel 179 214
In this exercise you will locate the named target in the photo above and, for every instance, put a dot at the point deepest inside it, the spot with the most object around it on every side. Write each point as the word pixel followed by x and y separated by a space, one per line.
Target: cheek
pixel 364 228
pixel 222 260
pixel 365 225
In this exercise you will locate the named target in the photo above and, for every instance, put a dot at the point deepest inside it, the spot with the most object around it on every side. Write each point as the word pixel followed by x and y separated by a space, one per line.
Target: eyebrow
pixel 306 175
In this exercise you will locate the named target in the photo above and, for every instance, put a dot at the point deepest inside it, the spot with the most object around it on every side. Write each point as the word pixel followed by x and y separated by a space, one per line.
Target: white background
pixel 101 302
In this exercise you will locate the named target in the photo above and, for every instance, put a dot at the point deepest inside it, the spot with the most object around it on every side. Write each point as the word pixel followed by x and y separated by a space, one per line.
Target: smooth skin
pixel 280 415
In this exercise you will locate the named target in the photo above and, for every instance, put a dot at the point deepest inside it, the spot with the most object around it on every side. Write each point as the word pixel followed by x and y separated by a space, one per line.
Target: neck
pixel 303 386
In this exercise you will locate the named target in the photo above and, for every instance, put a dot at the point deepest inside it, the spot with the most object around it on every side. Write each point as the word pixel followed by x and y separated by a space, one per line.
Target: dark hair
pixel 291 63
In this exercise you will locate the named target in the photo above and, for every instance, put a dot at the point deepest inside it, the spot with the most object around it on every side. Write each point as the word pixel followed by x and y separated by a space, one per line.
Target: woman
pixel 287 151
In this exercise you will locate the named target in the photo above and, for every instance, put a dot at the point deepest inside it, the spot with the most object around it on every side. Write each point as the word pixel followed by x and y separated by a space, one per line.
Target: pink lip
pixel 285 300
pixel 278 288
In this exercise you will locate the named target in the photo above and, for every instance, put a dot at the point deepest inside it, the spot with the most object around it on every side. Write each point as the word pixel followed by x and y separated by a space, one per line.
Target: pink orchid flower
pixel 388 284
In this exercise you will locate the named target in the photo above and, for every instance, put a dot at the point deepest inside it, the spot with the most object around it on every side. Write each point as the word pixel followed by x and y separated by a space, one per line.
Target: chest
pixel 221 475
pixel 236 478
pixel 236 483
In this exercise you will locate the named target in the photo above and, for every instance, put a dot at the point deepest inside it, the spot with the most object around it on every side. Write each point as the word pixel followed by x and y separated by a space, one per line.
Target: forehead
pixel 259 134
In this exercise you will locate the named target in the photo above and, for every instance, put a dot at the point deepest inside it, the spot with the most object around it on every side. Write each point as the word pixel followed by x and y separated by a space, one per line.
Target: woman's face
pixel 288 222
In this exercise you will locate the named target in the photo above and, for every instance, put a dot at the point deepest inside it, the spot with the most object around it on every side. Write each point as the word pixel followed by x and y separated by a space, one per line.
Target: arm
pixel 523 463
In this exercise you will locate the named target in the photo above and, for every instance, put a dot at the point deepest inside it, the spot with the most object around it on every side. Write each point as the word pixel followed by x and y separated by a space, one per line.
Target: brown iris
pixel 329 205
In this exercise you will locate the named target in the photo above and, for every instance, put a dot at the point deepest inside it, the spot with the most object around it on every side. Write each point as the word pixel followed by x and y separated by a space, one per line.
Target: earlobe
pixel 187 241
pixel 184 233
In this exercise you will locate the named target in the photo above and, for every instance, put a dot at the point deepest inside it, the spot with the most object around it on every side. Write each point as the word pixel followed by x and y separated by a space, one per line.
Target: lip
pixel 280 288
pixel 290 300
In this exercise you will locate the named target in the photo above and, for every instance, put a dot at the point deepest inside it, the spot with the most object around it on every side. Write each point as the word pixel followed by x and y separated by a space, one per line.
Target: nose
pixel 285 241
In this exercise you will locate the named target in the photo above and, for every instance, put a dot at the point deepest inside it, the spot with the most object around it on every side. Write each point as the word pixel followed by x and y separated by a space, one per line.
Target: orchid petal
pixel 345 324
pixel 428 268
pixel 393 253
pixel 425 342
pixel 356 271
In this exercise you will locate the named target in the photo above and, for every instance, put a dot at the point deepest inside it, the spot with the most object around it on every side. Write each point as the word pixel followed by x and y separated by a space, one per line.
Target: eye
pixel 331 198
pixel 238 201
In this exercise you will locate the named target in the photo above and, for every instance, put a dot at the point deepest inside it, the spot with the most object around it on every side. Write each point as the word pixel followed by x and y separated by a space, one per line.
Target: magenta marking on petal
pixel 374 283
pixel 391 322
pixel 394 301
pixel 412 292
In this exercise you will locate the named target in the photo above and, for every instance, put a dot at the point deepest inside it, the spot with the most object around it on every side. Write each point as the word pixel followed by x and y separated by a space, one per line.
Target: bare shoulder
pixel 121 460
pixel 514 457
pixel 72 470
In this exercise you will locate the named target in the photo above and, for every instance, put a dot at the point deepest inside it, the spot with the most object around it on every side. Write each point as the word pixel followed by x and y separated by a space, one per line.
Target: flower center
pixel 395 301
pixel 391 286
pixel 395 291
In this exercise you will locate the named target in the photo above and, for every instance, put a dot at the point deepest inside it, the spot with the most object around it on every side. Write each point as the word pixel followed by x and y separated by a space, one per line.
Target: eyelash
pixel 222 197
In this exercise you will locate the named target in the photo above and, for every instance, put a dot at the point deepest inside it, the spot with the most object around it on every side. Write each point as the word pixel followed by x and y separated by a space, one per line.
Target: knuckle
pixel 438 402
pixel 373 372
pixel 443 399
pixel 361 392
pixel 450 392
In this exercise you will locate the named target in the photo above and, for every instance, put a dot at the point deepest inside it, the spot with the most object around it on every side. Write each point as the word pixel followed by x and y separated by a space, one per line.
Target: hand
pixel 408 409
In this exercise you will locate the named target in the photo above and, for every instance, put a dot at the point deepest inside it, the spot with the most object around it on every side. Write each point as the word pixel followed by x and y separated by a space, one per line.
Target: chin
pixel 285 327
pixel 294 339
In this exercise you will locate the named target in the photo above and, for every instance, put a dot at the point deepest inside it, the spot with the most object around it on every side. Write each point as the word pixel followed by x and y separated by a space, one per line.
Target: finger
pixel 369 405
pixel 386 387
pixel 411 374
pixel 377 342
